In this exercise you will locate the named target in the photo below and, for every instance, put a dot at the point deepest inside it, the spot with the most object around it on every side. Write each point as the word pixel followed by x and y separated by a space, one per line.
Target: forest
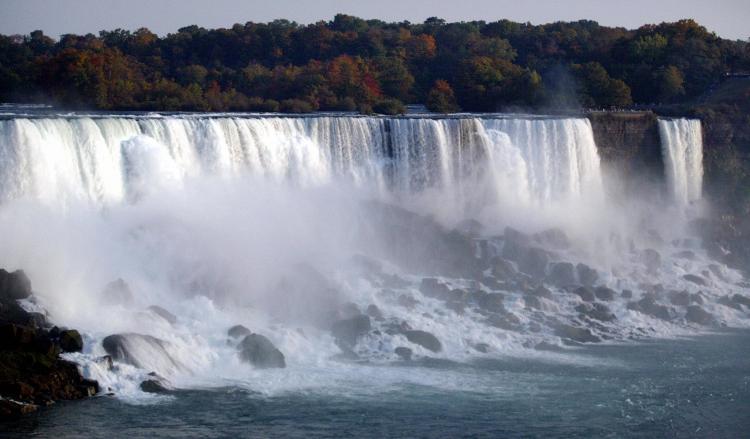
pixel 370 66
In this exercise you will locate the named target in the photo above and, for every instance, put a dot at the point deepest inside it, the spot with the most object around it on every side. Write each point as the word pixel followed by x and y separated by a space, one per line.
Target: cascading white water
pixel 106 160
pixel 682 149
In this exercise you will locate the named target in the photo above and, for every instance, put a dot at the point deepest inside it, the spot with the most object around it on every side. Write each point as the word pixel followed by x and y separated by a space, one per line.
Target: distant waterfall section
pixel 111 159
pixel 682 149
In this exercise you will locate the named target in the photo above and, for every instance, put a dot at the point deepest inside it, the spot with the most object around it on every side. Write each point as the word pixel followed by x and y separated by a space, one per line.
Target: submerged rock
pixel 696 279
pixel 403 352
pixel 431 287
pixel 696 314
pixel 532 302
pixel 347 331
pixel 260 352
pixel 238 331
pixel 424 339
pixel 507 321
pixel 651 259
pixel 581 335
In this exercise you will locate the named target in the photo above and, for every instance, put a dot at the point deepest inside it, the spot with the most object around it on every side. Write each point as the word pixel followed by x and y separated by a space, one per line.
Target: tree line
pixel 351 64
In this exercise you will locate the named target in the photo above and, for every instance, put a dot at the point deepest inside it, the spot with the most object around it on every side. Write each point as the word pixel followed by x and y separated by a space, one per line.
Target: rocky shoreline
pixel 32 373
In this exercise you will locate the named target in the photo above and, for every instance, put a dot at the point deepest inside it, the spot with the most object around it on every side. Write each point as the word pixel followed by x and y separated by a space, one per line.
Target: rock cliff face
pixel 31 371
pixel 630 147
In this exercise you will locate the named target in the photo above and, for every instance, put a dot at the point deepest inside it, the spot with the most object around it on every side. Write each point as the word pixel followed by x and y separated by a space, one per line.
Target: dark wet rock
pixel 503 268
pixel 651 259
pixel 163 313
pixel 348 310
pixel 403 352
pixel 12 409
pixel 585 294
pixel 492 302
pixel 541 291
pixel 534 262
pixel 31 371
pixel 470 228
pixel 679 298
pixel 553 238
pixel 587 276
pixel 153 386
pixel 507 321
pixel 431 287
pixel 626 294
pixel 532 302
pixel 374 312
pixel 347 331
pixel 14 286
pixel 138 349
pixel 696 314
pixel 562 274
pixel 238 331
pixel 685 254
pixel 648 306
pixel 596 311
pixel 407 301
pixel 424 339
pixel 581 335
pixel 742 300
pixel 604 293
pixel 481 347
pixel 70 341
pixel 696 279
pixel 260 352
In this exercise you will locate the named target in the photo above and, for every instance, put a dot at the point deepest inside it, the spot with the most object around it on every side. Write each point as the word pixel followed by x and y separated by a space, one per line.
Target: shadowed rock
pixel 403 352
pixel 581 335
pixel 70 341
pixel 585 294
pixel 587 276
pixel 696 314
pixel 424 339
pixel 648 306
pixel 260 352
pixel 562 274
pixel 596 311
pixel 604 293
pixel 696 279
pixel 15 285
pixel 347 331
pixel 238 331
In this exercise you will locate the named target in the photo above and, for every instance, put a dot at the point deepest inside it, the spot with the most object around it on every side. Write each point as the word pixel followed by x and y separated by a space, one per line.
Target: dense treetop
pixel 369 65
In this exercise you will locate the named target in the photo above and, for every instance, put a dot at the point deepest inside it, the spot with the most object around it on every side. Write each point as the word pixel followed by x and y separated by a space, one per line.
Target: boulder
pixel 541 291
pixel 742 300
pixel 260 352
pixel 727 301
pixel 347 331
pixel 238 331
pixel 596 311
pixel 696 279
pixel 581 335
pixel 404 353
pixel 155 384
pixel 503 268
pixel 626 294
pixel 696 314
pixel 407 301
pixel 481 347
pixel 648 306
pixel 431 287
pixel 604 293
pixel 70 341
pixel 139 350
pixel 587 276
pixel 492 302
pixel 424 339
pixel 534 262
pixel 507 321
pixel 14 286
pixel 163 313
pixel 585 294
pixel 562 274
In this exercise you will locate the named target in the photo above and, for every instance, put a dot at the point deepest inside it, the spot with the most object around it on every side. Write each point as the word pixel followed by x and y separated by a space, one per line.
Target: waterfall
pixel 682 149
pixel 470 161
